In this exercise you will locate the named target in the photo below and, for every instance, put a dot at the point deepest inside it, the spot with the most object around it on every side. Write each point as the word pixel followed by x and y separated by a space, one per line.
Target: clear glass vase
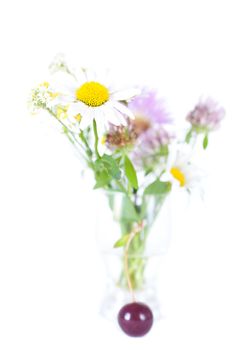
pixel 117 214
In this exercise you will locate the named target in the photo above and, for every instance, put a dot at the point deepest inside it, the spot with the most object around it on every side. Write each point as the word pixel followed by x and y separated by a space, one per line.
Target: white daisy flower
pixel 184 173
pixel 93 99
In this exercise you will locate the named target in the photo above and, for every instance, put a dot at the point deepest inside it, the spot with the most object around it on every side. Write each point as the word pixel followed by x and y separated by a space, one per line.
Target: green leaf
pixel 130 173
pixel 205 141
pixel 158 188
pixel 122 241
pixel 106 169
pixel 188 136
pixel 112 166
pixel 102 179
pixel 128 211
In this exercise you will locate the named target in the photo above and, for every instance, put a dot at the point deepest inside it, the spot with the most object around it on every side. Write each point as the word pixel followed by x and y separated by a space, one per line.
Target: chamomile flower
pixel 184 173
pixel 91 98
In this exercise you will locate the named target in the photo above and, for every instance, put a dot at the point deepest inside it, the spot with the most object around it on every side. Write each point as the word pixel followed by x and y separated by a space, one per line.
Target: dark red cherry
pixel 135 319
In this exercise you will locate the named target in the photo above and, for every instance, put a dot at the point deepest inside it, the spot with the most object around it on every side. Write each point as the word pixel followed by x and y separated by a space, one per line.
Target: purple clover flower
pixel 206 116
pixel 149 125
pixel 151 146
pixel 146 135
pixel 148 106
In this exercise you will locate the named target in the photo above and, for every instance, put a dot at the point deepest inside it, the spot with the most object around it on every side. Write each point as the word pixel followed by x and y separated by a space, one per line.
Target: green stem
pixel 64 126
pixel 122 187
pixel 96 139
pixel 136 264
pixel 72 137
pixel 137 259
pixel 83 139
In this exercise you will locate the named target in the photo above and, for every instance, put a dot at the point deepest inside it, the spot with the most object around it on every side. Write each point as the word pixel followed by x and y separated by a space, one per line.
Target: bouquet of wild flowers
pixel 127 139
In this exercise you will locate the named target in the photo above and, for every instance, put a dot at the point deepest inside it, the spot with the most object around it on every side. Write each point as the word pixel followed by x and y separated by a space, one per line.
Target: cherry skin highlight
pixel 135 319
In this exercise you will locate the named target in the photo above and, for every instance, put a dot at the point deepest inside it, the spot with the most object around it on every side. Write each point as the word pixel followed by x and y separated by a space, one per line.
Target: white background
pixel 51 276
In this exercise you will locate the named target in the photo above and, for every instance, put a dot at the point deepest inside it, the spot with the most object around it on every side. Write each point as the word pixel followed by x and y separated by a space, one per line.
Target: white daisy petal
pixel 100 118
pixel 112 119
pixel 63 99
pixel 121 118
pixel 81 77
pixel 123 109
pixel 126 94
pixel 112 116
pixel 98 114
pixel 103 77
pixel 89 74
pixel 74 109
pixel 67 87
pixel 86 120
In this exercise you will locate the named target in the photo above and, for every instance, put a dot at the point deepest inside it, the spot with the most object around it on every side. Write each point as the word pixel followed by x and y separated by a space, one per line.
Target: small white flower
pixel 42 97
pixel 92 99
pixel 183 173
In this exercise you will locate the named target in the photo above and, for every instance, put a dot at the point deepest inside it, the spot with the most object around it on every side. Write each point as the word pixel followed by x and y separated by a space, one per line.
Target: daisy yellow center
pixel 92 93
pixel 178 175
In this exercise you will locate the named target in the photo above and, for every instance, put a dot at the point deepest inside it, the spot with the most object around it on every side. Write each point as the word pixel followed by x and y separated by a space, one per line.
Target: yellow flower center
pixel 178 175
pixel 93 94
